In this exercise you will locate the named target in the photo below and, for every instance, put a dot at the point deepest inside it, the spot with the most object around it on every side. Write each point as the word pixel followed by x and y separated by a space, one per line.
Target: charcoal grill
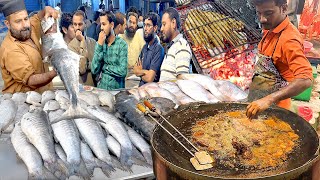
pixel 215 33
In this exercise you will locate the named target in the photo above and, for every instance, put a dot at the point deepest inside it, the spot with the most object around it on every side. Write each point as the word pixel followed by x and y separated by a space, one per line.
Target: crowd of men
pixel 116 46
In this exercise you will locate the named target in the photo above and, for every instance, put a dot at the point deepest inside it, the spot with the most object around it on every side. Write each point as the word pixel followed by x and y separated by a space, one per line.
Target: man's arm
pixel 79 47
pixel 39 80
pixel 97 61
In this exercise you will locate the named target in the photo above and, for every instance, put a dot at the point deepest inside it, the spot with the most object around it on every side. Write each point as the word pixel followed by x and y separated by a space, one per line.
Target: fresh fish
pixel 66 133
pixel 33 98
pixel 92 162
pixel 29 155
pixel 92 133
pixel 40 136
pixel 22 110
pixel 232 91
pixel 154 91
pixel 174 89
pixel 135 93
pixel 90 98
pixel 8 110
pixel 6 96
pixel 209 84
pixel 114 127
pixel 61 95
pixel 142 93
pixel 107 99
pixel 66 63
pixel 19 97
pixel 46 96
pixel 126 108
pixel 140 144
pixel 81 172
pixel 196 91
pixel 51 105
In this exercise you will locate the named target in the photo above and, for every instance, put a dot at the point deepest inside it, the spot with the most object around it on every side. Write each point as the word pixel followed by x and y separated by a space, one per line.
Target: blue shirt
pixel 152 57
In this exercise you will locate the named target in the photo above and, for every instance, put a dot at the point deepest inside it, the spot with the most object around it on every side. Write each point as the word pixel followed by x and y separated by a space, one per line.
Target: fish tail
pixel 125 157
pixel 148 157
pixel 81 170
pixel 140 162
pixel 58 169
pixel 75 112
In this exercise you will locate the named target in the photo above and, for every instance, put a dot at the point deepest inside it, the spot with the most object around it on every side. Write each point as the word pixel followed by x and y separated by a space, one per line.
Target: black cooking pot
pixel 171 161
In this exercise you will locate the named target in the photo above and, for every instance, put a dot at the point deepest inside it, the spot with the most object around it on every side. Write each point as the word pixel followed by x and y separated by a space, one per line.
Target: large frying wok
pixel 171 161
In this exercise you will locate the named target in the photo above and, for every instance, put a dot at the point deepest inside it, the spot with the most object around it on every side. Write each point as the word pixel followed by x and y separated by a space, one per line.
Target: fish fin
pixel 140 162
pixel 82 170
pixel 74 113
pixel 116 163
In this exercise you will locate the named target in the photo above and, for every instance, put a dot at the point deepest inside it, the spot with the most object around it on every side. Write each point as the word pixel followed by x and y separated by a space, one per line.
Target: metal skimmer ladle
pixel 200 160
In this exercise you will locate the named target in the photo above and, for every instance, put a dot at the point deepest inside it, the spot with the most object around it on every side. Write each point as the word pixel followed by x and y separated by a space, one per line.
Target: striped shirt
pixel 176 60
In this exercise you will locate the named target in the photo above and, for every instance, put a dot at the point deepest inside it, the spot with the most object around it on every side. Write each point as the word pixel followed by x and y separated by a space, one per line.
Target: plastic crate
pixel 306 94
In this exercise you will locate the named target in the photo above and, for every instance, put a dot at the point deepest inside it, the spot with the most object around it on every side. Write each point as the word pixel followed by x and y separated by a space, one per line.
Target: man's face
pixel 19 25
pixel 148 30
pixel 106 26
pixel 70 32
pixel 167 28
pixel 78 23
pixel 131 26
pixel 270 15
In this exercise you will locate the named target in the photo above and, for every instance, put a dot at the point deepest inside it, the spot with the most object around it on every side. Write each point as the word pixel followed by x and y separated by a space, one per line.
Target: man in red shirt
pixel 282 70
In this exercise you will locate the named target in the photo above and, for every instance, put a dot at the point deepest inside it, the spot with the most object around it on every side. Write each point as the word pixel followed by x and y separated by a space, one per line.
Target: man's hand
pixel 258 106
pixel 102 38
pixel 48 12
pixel 137 69
pixel 79 35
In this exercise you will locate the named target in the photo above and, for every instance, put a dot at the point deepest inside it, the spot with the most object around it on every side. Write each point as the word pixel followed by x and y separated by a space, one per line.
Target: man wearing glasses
pixel 151 56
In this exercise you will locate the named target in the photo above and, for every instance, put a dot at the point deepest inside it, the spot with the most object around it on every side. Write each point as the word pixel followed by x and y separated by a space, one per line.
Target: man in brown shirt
pixel 84 46
pixel 20 52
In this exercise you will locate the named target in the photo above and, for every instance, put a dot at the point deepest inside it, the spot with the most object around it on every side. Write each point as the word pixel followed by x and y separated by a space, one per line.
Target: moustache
pixel 25 29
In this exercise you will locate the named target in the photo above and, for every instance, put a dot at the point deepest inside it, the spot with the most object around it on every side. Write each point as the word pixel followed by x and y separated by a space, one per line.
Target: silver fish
pixel 232 91
pixel 174 89
pixel 92 162
pixel 140 144
pixel 81 171
pixel 90 98
pixel 114 127
pixel 29 155
pixel 46 96
pixel 19 97
pixel 22 110
pixel 92 133
pixel 155 91
pixel 51 105
pixel 33 98
pixel 66 133
pixel 8 110
pixel 41 137
pixel 66 63
pixel 107 99
pixel 196 91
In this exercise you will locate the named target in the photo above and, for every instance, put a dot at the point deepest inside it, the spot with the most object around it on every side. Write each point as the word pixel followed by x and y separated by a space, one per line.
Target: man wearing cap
pixel 20 52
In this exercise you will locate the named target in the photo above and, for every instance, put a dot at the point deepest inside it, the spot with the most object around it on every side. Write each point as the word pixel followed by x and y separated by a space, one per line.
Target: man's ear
pixel 155 28
pixel 112 25
pixel 7 23
pixel 64 30
pixel 174 23
pixel 284 8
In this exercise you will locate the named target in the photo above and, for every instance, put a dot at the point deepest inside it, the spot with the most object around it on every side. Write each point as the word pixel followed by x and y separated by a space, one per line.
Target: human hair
pixel 132 14
pixel 111 17
pixel 132 9
pixel 155 18
pixel 80 13
pixel 66 21
pixel 96 15
pixel 139 13
pixel 173 14
pixel 58 4
pixel 278 2
pixel 119 19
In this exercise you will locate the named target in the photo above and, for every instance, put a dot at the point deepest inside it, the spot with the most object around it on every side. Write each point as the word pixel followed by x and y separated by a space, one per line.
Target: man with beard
pixel 110 58
pixel 282 70
pixel 178 56
pixel 150 59
pixel 20 56
pixel 84 46
pixel 134 40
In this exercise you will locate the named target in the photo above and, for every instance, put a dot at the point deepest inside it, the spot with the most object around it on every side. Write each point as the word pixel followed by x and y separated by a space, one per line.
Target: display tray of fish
pixel 71 147
pixel 167 96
